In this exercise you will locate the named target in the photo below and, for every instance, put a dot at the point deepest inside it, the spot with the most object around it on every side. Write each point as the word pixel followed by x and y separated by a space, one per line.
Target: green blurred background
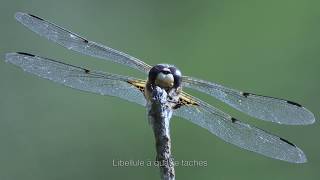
pixel 48 131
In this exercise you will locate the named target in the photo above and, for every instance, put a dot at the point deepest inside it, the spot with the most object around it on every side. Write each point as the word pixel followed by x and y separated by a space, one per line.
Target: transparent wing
pixel 79 78
pixel 263 107
pixel 77 43
pixel 238 133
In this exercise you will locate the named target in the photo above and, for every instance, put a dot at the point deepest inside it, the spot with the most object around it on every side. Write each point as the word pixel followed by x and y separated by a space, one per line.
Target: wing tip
pixel 302 158
pixel 312 118
pixel 305 116
pixel 308 117
pixel 8 56
pixel 292 155
pixel 19 15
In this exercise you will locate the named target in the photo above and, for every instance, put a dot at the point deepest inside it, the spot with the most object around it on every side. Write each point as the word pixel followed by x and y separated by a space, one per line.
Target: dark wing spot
pixel 234 120
pixel 26 54
pixel 294 103
pixel 180 103
pixel 177 106
pixel 287 142
pixel 36 17
pixel 141 89
pixel 85 41
pixel 86 71
pixel 245 94
pixel 184 102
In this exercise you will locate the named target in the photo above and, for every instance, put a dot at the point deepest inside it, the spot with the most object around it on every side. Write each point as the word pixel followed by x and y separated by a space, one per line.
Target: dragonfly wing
pixel 263 107
pixel 80 78
pixel 238 133
pixel 77 43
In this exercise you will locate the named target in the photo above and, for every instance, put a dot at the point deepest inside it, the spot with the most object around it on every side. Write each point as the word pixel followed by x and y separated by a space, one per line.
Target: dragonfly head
pixel 165 76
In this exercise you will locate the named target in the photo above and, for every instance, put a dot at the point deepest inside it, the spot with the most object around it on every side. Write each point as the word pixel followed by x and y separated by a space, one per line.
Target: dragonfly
pixel 188 107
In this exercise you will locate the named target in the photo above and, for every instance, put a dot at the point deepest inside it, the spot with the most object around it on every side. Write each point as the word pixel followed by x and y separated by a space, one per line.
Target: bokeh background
pixel 49 132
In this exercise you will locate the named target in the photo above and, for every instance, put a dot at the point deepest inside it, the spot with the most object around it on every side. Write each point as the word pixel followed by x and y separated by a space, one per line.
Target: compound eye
pixel 177 73
pixel 177 76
